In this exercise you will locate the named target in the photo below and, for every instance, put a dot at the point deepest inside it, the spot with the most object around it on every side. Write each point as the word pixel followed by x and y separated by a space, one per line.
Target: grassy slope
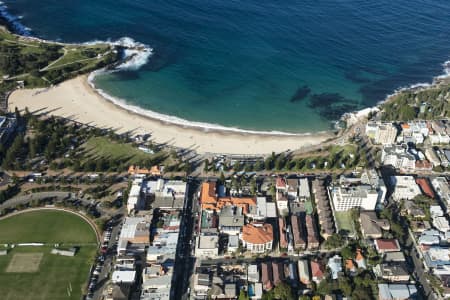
pixel 55 272
pixel 46 227
pixel 103 147
pixel 70 60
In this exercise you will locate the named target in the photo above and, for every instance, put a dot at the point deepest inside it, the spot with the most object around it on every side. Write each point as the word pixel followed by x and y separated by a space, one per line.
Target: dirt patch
pixel 25 263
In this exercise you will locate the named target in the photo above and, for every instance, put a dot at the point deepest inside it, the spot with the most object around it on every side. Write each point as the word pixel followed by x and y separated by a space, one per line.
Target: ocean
pixel 288 66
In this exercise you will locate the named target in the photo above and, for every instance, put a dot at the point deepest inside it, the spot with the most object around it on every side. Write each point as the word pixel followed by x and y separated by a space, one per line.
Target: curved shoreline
pixel 170 119
pixel 76 100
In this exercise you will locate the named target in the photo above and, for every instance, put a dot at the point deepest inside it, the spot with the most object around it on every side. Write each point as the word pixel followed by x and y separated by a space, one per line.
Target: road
pixel 184 263
pixel 409 247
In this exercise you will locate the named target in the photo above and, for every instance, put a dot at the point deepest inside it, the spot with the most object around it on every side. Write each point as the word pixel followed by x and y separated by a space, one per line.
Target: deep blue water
pixel 257 64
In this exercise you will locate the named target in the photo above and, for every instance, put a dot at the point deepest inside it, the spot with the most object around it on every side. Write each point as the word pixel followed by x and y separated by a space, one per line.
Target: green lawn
pixel 105 148
pixel 345 222
pixel 55 272
pixel 46 227
pixel 53 278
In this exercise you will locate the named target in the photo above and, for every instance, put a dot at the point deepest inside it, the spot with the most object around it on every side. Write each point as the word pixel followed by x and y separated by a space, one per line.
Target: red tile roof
pixel 316 269
pixel 257 234
pixel 425 187
pixel 283 241
pixel 387 245
pixel 281 183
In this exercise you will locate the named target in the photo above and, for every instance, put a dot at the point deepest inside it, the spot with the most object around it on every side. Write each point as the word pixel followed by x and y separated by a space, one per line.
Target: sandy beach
pixel 76 100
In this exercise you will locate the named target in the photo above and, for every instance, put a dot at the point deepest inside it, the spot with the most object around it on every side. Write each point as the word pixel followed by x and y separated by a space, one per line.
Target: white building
pixel 304 192
pixel 381 133
pixel 207 246
pixel 442 188
pixel 441 224
pixel 127 277
pixel 398 157
pixel 134 236
pixel 282 204
pixel 135 201
pixel 257 238
pixel 432 157
pixel 346 198
pixel 303 272
pixel 405 188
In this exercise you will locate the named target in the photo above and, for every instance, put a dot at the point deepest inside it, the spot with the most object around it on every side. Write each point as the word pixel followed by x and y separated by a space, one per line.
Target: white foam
pixel 14 21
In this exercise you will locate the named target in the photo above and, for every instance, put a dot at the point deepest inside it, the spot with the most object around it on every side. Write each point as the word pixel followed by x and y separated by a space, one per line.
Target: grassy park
pixel 345 222
pixel 35 273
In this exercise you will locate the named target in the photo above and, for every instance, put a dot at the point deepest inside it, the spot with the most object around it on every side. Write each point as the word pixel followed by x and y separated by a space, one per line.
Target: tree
pixel 283 291
pixel 334 241
pixel 345 286
pixel 243 295
pixel 206 165
pixel 347 253
pixel 222 178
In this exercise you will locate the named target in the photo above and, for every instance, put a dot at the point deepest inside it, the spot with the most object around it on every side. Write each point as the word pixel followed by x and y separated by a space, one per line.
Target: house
pixel 267 276
pixel 292 189
pixel 350 266
pixel 202 284
pixel 252 273
pixel 257 238
pixel 283 233
pixel 210 201
pixel 298 233
pixel 323 207
pixel 312 236
pixel 405 188
pixel 432 157
pixel 441 224
pixel 303 272
pixel 123 277
pixel 317 271
pixel 437 257
pixel 280 184
pixel 231 220
pixel 412 210
pixel 419 226
pixel 207 246
pixel 335 266
pixel 277 273
pixel 396 291
pixel 430 237
pixel 442 188
pixel 371 226
pixel 304 192
pixel 394 272
pixel 425 187
pixel 282 204
pixel 262 210
pixel 134 236
pixel 233 243
pixel 153 171
pixel 394 257
pixel 135 200
pixel 387 245
pixel 360 260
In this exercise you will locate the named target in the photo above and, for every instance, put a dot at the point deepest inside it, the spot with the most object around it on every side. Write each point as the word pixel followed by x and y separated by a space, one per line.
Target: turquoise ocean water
pixel 292 66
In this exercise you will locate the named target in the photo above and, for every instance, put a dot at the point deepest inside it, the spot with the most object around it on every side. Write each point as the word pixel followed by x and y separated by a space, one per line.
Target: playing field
pixel 33 273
